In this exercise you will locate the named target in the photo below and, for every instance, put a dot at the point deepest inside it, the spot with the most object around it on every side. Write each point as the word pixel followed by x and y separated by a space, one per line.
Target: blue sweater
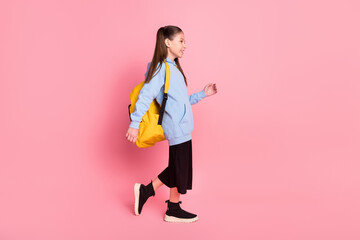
pixel 177 121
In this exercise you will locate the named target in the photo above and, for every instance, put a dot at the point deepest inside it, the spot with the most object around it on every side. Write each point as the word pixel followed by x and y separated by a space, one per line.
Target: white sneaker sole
pixel 137 194
pixel 182 220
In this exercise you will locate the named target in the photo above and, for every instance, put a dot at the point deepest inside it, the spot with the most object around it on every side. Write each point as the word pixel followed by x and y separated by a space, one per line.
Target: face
pixel 176 47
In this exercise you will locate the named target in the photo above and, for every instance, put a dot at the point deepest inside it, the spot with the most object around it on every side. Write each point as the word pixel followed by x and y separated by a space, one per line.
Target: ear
pixel 167 42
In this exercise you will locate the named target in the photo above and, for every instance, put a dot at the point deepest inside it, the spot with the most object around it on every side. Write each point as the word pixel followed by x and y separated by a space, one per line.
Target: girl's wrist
pixel 204 93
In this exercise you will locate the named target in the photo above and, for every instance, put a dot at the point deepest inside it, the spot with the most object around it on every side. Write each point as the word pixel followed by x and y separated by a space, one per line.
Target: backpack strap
pixel 166 90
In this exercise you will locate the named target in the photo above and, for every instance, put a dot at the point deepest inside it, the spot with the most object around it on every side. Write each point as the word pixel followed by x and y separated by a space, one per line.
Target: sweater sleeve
pixel 196 97
pixel 147 94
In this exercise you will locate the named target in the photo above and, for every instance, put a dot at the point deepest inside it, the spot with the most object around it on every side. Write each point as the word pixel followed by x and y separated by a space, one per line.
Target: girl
pixel 177 122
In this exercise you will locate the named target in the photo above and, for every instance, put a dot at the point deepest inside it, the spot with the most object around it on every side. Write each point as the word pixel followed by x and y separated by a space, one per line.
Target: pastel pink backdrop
pixel 276 151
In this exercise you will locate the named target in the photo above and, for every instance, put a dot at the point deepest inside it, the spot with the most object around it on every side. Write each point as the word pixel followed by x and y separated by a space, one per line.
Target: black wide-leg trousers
pixel 179 171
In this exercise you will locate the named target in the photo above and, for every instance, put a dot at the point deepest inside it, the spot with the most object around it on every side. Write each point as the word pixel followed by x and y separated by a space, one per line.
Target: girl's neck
pixel 171 57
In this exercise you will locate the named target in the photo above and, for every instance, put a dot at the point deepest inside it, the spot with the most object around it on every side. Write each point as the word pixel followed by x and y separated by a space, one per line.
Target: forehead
pixel 180 35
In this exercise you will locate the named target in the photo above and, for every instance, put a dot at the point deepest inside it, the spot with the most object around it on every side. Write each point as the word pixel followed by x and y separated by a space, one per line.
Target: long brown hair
pixel 160 52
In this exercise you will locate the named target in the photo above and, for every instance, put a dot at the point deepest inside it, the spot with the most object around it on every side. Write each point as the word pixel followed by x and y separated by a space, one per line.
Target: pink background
pixel 276 151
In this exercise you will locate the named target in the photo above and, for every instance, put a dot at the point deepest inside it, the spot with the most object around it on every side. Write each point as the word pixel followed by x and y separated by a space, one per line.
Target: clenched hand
pixel 132 134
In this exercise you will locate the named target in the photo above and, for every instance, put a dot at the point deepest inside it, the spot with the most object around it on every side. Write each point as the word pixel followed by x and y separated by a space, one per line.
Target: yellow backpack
pixel 150 130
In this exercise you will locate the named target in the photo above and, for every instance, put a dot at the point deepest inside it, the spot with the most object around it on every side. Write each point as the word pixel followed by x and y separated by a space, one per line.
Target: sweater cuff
pixel 202 94
pixel 134 124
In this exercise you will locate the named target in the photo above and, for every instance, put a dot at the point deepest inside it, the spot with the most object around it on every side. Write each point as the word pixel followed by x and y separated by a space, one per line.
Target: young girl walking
pixel 177 122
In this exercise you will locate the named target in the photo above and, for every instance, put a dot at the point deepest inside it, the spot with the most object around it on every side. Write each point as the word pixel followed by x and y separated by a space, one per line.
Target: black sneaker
pixel 142 193
pixel 174 213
